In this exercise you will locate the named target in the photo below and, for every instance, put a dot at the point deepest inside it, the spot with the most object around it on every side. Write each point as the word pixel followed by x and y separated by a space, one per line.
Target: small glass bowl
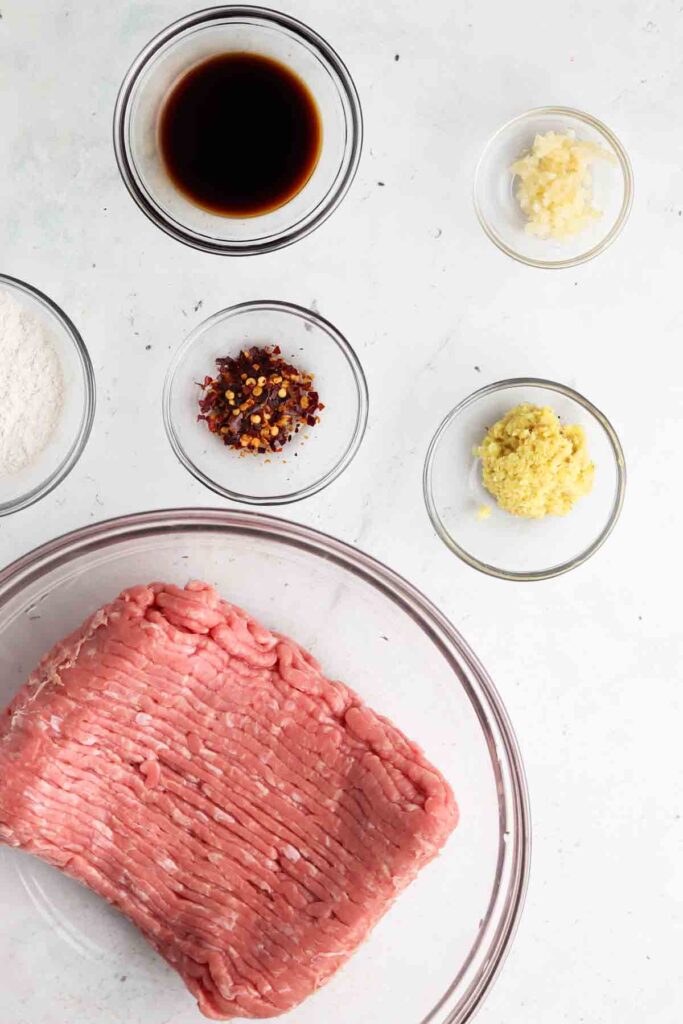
pixel 504 545
pixel 23 488
pixel 499 212
pixel 314 457
pixel 192 40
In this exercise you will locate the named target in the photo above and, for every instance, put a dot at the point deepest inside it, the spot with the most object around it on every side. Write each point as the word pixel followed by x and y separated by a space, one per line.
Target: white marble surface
pixel 589 664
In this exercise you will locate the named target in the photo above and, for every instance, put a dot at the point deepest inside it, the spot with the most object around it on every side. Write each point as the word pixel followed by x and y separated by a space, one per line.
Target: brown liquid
pixel 240 134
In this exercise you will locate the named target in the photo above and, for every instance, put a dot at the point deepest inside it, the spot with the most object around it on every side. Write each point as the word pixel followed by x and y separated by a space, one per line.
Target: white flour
pixel 31 386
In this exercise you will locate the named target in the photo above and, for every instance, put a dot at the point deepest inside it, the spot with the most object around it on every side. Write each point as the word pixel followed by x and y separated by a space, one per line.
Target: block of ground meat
pixel 253 818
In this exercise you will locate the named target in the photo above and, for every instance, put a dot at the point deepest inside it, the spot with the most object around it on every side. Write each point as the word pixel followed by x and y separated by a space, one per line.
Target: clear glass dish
pixel 191 40
pixel 499 212
pixel 434 956
pixel 505 545
pixel 23 488
pixel 313 458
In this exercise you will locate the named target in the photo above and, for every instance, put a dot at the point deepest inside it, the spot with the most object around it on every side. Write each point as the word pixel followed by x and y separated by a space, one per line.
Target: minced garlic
pixel 532 465
pixel 554 189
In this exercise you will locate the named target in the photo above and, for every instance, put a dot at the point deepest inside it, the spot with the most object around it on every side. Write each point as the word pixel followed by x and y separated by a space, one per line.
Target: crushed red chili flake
pixel 257 401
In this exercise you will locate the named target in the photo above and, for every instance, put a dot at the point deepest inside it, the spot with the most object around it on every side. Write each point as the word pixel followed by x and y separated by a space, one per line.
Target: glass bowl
pixel 504 545
pixel 21 489
pixel 434 956
pixel 313 458
pixel 188 42
pixel 499 212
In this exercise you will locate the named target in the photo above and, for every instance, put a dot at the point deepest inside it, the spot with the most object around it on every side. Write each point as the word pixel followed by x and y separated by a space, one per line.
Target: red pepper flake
pixel 257 402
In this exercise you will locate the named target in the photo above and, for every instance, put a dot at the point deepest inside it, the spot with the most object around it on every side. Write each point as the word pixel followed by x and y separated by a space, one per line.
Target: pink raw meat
pixel 253 818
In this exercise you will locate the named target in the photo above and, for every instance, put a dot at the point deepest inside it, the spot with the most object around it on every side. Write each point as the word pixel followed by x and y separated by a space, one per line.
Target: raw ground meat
pixel 251 817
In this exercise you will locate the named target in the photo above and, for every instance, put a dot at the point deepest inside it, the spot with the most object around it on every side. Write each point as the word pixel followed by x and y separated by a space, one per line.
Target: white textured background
pixel 589 665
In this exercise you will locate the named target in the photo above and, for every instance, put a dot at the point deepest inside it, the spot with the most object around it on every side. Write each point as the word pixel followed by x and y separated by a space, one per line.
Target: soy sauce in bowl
pixel 240 134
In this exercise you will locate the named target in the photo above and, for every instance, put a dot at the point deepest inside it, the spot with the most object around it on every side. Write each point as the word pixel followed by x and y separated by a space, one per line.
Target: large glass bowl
pixel 435 954
pixel 30 484
pixel 193 39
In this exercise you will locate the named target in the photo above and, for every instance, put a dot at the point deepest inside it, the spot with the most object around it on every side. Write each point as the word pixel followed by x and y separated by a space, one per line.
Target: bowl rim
pixel 627 201
pixel 563 567
pixel 362 396
pixel 500 923
pixel 79 442
pixel 330 59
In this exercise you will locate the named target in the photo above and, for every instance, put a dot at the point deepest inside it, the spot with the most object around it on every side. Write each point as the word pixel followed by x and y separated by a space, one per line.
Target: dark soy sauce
pixel 240 134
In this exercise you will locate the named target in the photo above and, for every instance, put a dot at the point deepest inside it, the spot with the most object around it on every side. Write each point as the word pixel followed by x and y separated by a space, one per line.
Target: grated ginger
pixel 533 465
pixel 554 189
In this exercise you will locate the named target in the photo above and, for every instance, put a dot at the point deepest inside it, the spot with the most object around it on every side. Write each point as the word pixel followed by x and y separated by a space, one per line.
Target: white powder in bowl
pixel 31 386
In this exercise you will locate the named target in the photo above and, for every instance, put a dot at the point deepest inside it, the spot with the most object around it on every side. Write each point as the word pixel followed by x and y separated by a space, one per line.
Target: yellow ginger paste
pixel 554 184
pixel 533 465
